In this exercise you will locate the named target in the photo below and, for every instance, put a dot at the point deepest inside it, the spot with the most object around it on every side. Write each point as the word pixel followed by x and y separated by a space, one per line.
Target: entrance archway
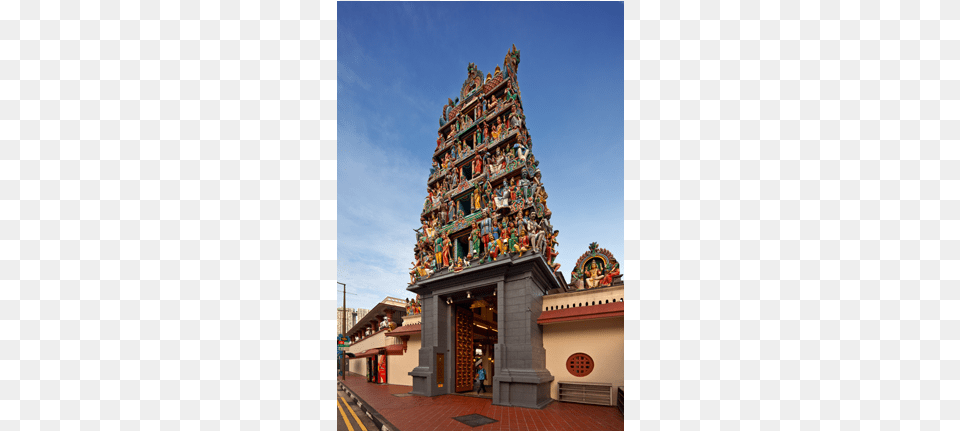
pixel 475 332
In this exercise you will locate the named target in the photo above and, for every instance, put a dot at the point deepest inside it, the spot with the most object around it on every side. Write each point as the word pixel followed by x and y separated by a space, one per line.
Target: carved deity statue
pixel 475 240
pixel 514 117
pixel 446 250
pixel 492 251
pixel 550 251
pixel 476 198
pixel 477 166
pixel 524 244
pixel 593 275
pixel 612 271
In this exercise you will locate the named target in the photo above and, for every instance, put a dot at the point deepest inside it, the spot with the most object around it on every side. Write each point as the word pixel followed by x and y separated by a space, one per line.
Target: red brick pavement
pixel 416 413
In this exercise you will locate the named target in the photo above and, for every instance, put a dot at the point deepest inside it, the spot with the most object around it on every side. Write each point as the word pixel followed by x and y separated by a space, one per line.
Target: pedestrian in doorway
pixel 481 377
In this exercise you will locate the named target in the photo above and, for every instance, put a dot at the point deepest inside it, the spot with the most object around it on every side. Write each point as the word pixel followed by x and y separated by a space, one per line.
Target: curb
pixel 378 420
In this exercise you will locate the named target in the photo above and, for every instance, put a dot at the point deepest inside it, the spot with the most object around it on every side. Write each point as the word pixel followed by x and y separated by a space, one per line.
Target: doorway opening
pixel 476 336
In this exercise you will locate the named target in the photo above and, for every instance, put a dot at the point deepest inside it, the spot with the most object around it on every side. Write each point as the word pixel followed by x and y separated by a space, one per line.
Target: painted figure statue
pixel 504 200
pixel 476 198
pixel 446 250
pixel 612 271
pixel 477 165
pixel 492 251
pixel 524 244
pixel 514 245
pixel 514 117
pixel 458 266
pixel 593 276
pixel 438 249
pixel 551 250
pixel 475 240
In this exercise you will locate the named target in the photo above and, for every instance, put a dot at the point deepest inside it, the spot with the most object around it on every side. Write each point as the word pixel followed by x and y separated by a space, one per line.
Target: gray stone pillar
pixel 435 327
pixel 521 378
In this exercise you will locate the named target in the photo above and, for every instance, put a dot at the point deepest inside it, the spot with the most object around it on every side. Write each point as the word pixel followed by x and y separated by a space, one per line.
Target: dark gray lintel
pixel 503 267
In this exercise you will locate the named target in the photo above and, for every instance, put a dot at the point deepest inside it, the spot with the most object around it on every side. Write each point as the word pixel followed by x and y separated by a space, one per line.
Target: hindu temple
pixel 490 294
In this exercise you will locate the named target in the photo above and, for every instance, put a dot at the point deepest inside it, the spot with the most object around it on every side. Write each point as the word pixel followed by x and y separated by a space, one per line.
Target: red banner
pixel 383 368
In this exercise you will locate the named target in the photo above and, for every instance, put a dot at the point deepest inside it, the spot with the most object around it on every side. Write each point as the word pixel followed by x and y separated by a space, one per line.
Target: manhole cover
pixel 474 420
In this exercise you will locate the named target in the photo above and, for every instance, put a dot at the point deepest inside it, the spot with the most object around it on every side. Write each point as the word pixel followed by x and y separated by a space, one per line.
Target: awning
pixel 394 349
pixel 600 311
pixel 404 330
pixel 368 353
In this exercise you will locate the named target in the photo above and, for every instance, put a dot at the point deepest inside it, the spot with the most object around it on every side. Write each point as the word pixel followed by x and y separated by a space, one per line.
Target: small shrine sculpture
pixel 595 268
pixel 413 306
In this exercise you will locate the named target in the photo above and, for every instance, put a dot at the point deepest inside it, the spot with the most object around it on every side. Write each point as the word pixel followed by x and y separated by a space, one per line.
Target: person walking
pixel 481 377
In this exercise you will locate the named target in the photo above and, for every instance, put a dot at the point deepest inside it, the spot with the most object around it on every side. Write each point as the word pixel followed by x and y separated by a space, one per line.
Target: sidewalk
pixel 417 413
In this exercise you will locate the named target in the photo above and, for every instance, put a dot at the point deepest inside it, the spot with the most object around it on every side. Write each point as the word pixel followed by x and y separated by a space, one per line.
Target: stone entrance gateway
pixel 520 377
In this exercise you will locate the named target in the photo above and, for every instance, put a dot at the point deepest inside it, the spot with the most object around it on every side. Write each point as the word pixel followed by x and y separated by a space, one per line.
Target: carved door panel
pixel 464 350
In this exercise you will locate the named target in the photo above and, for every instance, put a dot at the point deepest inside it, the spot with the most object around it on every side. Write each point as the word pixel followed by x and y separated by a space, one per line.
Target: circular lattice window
pixel 580 364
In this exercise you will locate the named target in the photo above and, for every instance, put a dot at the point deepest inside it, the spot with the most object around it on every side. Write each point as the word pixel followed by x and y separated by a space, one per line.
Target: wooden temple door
pixel 463 368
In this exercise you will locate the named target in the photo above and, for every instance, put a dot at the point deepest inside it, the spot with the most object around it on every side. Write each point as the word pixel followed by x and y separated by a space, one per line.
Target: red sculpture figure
pixel 612 271
pixel 439 139
pixel 446 250
pixel 550 251
pixel 485 239
pixel 477 165
pixel 553 251
pixel 524 241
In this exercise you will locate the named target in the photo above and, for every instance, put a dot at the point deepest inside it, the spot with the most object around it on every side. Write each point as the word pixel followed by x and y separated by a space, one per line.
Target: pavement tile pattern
pixel 417 413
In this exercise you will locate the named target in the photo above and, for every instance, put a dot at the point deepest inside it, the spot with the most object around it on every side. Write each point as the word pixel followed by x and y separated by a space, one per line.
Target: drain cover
pixel 402 395
pixel 474 420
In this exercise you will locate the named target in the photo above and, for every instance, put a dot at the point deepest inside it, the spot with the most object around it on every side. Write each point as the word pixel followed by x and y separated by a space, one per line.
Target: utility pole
pixel 343 357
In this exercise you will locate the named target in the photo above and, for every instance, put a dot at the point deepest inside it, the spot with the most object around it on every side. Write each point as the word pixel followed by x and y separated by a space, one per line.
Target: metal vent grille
pixel 580 364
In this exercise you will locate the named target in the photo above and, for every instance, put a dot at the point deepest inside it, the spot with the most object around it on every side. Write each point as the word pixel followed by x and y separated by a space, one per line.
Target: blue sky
pixel 398 63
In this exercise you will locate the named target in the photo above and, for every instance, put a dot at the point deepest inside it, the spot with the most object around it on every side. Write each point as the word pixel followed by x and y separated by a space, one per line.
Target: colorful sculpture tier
pixel 485 198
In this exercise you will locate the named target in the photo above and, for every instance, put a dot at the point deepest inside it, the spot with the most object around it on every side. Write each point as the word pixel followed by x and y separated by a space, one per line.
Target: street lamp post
pixel 343 356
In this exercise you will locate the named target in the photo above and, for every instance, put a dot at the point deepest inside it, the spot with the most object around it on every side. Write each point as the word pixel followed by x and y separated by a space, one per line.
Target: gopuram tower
pixel 485 251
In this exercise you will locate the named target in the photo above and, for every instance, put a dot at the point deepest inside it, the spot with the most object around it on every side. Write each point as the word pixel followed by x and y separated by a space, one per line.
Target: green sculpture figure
pixel 513 244
pixel 492 251
pixel 475 240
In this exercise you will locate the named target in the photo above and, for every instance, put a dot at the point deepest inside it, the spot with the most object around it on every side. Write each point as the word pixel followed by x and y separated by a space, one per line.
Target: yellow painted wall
pixel 359 366
pixel 602 339
pixel 373 341
pixel 399 365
